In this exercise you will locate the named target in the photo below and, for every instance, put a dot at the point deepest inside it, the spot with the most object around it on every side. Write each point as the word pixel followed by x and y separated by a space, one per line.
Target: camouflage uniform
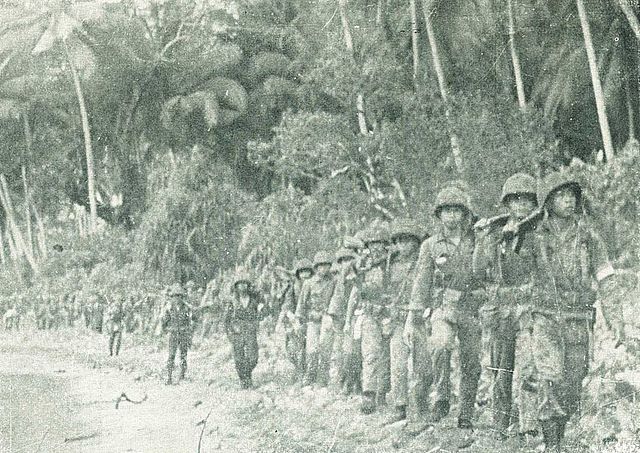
pixel 178 319
pixel 508 263
pixel 410 368
pixel 241 323
pixel 446 286
pixel 313 304
pixel 571 259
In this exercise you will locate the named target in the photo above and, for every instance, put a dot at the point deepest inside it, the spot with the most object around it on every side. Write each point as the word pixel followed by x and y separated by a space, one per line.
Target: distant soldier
pixel 351 351
pixel 446 294
pixel 410 365
pixel 295 332
pixel 116 317
pixel 572 261
pixel 11 318
pixel 178 320
pixel 333 321
pixel 505 257
pixel 313 303
pixel 243 313
pixel 369 301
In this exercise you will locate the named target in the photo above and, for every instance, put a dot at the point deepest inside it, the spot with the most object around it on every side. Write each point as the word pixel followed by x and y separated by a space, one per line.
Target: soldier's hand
pixel 617 328
pixel 409 329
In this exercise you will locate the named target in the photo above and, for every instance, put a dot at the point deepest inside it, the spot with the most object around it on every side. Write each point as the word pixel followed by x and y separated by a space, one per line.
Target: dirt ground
pixel 59 392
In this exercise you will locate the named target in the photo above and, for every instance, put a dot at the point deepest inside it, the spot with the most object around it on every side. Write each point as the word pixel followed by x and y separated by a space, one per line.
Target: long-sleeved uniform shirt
pixel 315 297
pixel 443 265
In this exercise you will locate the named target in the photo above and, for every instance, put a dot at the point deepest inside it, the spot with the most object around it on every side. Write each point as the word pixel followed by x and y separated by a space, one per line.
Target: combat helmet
pixel 556 181
pixel 407 228
pixel 322 257
pixel 242 274
pixel 176 290
pixel 301 265
pixel 345 253
pixel 378 231
pixel 452 196
pixel 519 183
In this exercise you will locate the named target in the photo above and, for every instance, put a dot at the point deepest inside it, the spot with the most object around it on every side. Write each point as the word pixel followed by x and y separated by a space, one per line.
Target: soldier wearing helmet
pixel 368 302
pixel 571 262
pixel 313 303
pixel 243 311
pixel 505 257
pixel 333 321
pixel 178 320
pixel 408 389
pixel 445 298
pixel 295 333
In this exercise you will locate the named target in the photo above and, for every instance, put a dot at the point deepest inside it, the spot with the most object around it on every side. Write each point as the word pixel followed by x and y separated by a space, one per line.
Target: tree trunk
pixel 25 160
pixel 453 138
pixel 597 86
pixel 379 12
pixel 517 74
pixel 2 254
pixel 414 41
pixel 87 143
pixel 20 246
pixel 630 113
pixel 631 17
pixel 348 40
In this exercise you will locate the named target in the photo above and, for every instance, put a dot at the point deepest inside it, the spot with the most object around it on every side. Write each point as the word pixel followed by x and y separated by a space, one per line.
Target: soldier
pixel 313 303
pixel 351 348
pixel 369 301
pixel 572 258
pixel 333 321
pixel 445 292
pixel 505 256
pixel 295 334
pixel 409 384
pixel 243 313
pixel 116 320
pixel 178 319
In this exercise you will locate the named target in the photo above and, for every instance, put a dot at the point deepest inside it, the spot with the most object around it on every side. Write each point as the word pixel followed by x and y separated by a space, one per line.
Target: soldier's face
pixel 520 206
pixel 242 287
pixel 564 202
pixel 322 269
pixel 451 216
pixel 304 274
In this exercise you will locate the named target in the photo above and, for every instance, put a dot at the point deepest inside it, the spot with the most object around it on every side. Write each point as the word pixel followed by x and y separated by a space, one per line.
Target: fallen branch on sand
pixel 80 437
pixel 203 422
pixel 124 397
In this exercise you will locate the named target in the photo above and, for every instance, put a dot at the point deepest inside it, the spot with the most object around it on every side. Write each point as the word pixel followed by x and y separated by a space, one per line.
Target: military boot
pixel 440 410
pixel 551 436
pixel 368 405
pixel 169 373
pixel 399 414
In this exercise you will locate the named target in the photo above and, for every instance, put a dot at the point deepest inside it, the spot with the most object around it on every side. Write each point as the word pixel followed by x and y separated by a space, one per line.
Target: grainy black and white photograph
pixel 327 226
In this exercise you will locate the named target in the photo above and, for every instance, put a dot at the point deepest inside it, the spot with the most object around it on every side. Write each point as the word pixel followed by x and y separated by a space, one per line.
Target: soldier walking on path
pixel 447 295
pixel 369 303
pixel 572 261
pixel 178 320
pixel 243 313
pixel 116 321
pixel 410 366
pixel 505 256
pixel 333 321
pixel 295 333
pixel 314 301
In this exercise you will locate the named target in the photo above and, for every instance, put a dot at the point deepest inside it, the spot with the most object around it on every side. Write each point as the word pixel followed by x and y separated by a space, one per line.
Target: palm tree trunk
pixel 631 17
pixel 522 102
pixel 25 156
pixel 414 41
pixel 20 246
pixel 597 86
pixel 453 138
pixel 87 143
pixel 3 257
pixel 348 40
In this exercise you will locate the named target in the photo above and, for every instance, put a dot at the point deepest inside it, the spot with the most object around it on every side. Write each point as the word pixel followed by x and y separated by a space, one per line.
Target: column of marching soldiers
pixel 383 316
